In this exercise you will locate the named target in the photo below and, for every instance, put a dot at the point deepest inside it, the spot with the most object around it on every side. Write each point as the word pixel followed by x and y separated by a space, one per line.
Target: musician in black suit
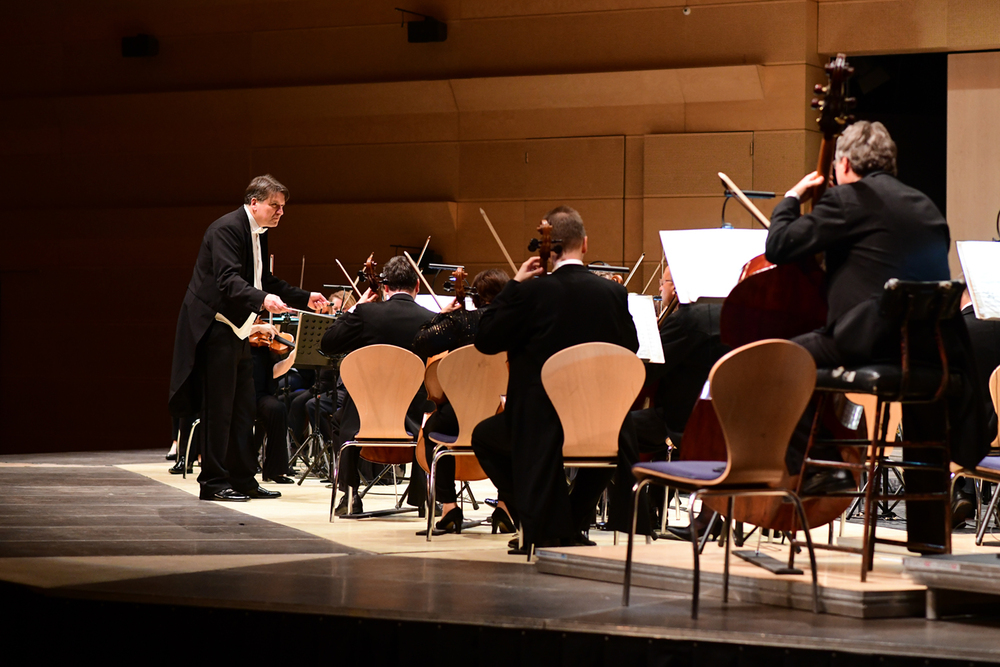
pixel 212 368
pixel 691 346
pixel 872 228
pixel 985 338
pixel 535 316
pixel 394 321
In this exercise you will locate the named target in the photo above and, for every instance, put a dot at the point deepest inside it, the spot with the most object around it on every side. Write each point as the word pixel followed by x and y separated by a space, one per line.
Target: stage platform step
pixel 667 565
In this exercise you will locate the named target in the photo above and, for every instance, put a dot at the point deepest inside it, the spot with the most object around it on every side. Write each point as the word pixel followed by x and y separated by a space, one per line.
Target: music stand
pixel 308 355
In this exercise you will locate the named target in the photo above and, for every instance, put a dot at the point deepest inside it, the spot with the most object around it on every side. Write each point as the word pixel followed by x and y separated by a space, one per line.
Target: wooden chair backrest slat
pixel 382 381
pixel 995 395
pixel 759 392
pixel 592 387
pixel 473 382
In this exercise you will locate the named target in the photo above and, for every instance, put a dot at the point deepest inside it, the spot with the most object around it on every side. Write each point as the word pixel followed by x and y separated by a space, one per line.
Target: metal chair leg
pixel 981 529
pixel 187 450
pixel 627 584
pixel 728 530
pixel 809 545
pixel 695 584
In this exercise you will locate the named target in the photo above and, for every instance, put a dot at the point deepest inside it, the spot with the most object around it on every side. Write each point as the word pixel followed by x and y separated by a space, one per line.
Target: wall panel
pixel 688 164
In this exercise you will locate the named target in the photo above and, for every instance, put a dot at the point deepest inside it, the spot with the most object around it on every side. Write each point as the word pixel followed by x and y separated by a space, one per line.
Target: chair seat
pixel 695 470
pixel 990 463
pixel 883 380
pixel 442 438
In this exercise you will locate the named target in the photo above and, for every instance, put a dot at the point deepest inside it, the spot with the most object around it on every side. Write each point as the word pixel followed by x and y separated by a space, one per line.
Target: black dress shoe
pixel 502 522
pixel 171 457
pixel 579 540
pixel 280 479
pixel 962 509
pixel 684 532
pixel 821 482
pixel 178 468
pixel 356 506
pixel 227 495
pixel 451 522
pixel 261 493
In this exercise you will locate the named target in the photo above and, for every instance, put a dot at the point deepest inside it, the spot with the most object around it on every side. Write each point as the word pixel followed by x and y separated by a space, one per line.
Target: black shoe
pixel 422 511
pixel 821 482
pixel 261 493
pixel 526 549
pixel 502 522
pixel 356 508
pixel 684 532
pixel 962 509
pixel 227 495
pixel 280 479
pixel 171 457
pixel 451 522
pixel 579 540
pixel 178 468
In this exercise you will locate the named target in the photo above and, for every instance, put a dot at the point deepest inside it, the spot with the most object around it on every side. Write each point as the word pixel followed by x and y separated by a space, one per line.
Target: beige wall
pixel 973 147
pixel 625 109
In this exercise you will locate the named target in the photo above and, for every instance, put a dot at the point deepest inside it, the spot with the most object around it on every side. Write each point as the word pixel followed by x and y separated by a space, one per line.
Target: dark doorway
pixel 909 95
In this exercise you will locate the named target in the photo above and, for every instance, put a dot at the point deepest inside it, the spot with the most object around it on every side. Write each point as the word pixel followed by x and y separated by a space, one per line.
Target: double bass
pixel 783 301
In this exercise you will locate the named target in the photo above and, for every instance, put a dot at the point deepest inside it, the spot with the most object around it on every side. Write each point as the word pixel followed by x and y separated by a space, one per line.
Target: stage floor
pixel 116 527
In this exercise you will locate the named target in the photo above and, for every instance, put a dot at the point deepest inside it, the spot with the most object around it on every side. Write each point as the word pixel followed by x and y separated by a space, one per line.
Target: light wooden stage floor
pixel 115 527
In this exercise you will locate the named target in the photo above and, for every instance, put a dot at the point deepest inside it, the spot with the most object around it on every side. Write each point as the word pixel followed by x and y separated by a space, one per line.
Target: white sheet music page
pixel 708 262
pixel 640 307
pixel 981 266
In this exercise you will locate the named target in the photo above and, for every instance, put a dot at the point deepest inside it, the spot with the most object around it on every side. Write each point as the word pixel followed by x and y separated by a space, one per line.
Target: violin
pixel 280 347
pixel 370 273
pixel 545 245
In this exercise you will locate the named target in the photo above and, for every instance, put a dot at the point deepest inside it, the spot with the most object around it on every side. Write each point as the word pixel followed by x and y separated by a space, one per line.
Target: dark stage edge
pixel 344 604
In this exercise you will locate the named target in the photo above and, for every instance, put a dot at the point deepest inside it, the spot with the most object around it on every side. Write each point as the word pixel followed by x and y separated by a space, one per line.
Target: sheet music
pixel 708 262
pixel 980 261
pixel 640 307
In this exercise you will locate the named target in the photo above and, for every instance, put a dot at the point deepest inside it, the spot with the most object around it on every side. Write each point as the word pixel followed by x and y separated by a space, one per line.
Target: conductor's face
pixel 268 213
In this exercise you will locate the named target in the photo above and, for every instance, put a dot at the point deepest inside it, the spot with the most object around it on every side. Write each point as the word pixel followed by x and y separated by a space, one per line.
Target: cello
pixel 783 301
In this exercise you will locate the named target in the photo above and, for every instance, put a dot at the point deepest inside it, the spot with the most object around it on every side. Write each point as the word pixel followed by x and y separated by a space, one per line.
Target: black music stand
pixel 310 334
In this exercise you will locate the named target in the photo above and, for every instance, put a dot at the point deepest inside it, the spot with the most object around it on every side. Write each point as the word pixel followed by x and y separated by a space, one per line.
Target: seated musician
pixel 985 338
pixel 535 316
pixel 453 328
pixel 691 346
pixel 872 228
pixel 394 321
pixel 272 413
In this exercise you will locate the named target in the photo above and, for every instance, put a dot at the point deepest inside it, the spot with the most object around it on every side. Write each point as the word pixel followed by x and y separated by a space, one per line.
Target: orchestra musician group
pixel 870 226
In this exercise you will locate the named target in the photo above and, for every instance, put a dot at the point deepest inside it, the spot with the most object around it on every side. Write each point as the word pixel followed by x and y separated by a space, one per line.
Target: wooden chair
pixel 987 470
pixel 592 387
pixel 759 392
pixel 473 383
pixel 382 381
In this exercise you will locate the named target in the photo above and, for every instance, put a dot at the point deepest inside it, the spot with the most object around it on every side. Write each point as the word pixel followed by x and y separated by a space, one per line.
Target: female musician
pixel 453 328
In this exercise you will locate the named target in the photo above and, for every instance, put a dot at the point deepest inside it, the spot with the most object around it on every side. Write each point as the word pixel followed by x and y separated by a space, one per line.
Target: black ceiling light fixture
pixel 422 32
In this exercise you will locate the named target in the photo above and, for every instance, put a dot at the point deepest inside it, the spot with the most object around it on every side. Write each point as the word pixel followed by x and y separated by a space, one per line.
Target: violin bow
pixel 747 204
pixel 423 279
pixel 302 275
pixel 632 272
pixel 421 258
pixel 499 242
pixel 354 283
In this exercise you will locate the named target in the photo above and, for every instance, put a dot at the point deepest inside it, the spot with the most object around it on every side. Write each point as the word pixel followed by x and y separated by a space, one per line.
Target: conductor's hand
pixel 804 187
pixel 531 268
pixel 274 304
pixel 368 296
pixel 317 301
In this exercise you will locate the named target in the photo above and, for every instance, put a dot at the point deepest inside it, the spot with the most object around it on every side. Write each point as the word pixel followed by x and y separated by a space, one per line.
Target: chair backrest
pixel 759 392
pixel 382 381
pixel 995 395
pixel 473 383
pixel 592 386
